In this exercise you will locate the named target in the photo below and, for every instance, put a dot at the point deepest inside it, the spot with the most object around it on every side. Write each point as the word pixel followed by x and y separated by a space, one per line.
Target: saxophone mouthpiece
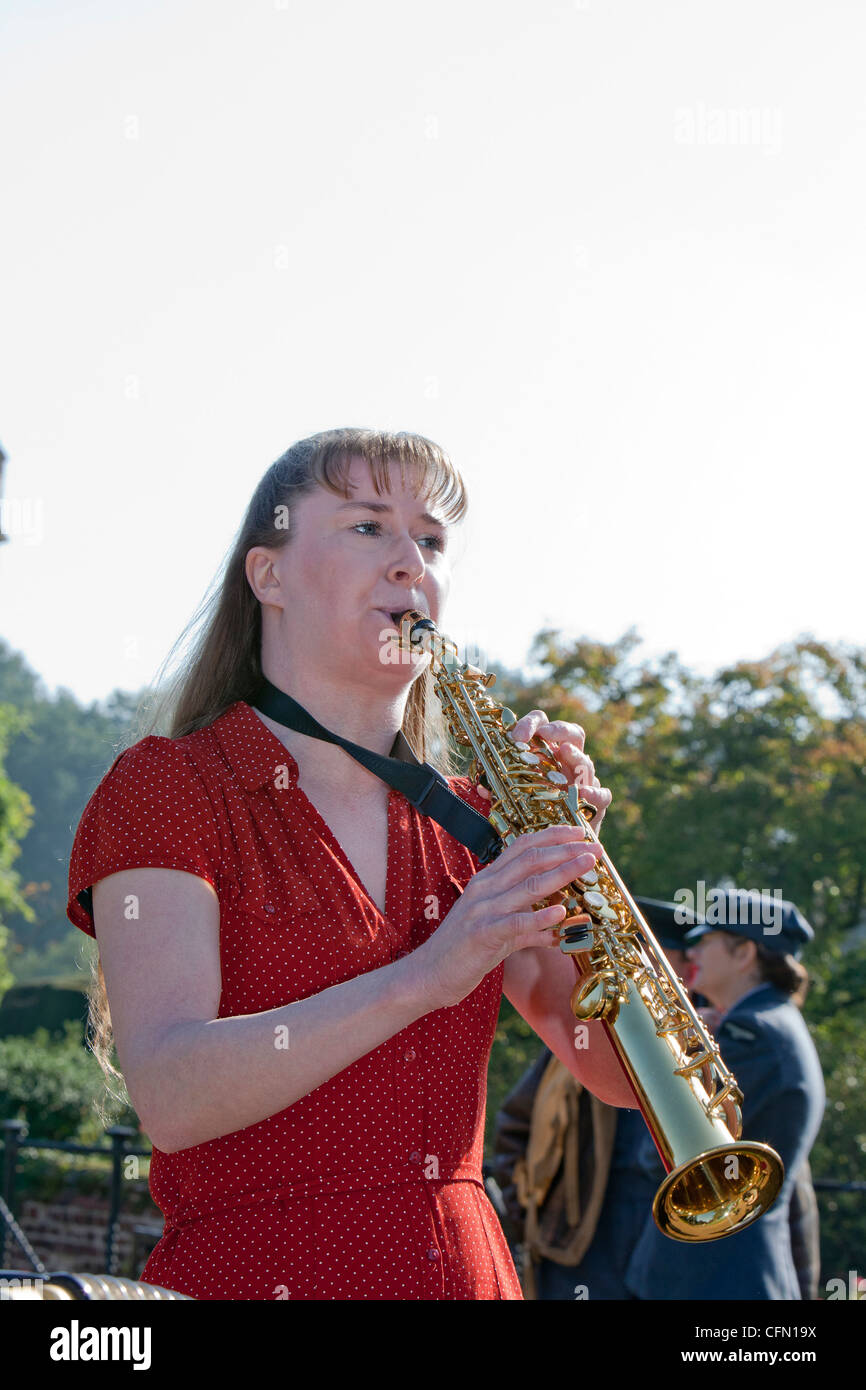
pixel 412 624
pixel 418 633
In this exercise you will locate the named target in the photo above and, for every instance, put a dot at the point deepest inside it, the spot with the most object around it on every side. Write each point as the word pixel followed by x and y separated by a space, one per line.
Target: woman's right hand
pixel 494 915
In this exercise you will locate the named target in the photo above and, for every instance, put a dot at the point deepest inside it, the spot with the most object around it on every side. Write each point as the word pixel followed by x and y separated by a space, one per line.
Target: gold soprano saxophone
pixel 716 1184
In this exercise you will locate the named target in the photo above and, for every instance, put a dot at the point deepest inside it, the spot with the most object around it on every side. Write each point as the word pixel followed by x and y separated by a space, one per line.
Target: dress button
pixel 410 1055
pixel 269 907
pixel 432 1253
pixel 415 1157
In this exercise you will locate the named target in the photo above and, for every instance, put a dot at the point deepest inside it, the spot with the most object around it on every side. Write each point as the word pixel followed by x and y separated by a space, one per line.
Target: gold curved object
pixel 716 1183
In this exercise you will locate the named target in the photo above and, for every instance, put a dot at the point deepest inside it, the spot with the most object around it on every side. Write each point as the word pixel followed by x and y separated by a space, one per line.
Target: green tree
pixel 16 813
pixel 59 755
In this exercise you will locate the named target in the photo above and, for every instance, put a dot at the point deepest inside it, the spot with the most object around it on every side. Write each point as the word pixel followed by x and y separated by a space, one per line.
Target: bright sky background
pixel 610 254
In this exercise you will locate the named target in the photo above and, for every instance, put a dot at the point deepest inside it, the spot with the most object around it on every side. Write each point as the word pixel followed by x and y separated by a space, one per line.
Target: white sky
pixel 610 254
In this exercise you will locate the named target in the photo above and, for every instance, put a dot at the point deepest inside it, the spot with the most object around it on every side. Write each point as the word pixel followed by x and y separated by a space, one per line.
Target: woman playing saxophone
pixel 304 973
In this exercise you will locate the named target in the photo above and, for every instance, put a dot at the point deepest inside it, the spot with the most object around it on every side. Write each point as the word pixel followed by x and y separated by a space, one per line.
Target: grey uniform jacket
pixel 764 1041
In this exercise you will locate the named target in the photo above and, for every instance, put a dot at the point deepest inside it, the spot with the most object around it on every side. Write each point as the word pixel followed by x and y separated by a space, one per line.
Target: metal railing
pixel 15 1140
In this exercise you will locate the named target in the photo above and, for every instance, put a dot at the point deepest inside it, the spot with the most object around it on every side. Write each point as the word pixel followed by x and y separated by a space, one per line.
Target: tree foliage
pixel 58 752
pixel 16 812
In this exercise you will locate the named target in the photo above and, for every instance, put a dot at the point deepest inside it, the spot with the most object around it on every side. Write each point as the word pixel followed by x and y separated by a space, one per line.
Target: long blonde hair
pixel 224 661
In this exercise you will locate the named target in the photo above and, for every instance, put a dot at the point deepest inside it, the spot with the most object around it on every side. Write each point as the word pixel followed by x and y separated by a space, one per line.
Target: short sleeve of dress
pixel 151 810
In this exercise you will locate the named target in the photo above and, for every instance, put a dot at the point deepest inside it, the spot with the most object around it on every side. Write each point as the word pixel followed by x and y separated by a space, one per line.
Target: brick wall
pixel 69 1233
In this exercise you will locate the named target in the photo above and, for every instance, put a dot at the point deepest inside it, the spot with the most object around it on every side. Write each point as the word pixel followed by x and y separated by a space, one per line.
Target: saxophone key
pixel 597 996
pixel 579 919
pixel 572 946
pixel 671 1025
pixel 694 1064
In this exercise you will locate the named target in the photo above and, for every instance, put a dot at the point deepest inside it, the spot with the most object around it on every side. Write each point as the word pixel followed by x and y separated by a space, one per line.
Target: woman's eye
pixel 432 542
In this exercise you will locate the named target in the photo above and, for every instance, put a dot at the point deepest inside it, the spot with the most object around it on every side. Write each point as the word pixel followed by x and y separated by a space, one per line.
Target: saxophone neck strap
pixel 423 786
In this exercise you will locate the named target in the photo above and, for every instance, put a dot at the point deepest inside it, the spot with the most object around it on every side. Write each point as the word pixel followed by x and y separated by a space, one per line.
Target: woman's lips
pixel 388 614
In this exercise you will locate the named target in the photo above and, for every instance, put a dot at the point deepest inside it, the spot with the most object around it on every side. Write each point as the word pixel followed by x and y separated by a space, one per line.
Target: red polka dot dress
pixel 370 1186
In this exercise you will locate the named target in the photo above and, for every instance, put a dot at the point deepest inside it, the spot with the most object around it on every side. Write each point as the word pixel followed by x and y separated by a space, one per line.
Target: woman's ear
pixel 747 952
pixel 261 575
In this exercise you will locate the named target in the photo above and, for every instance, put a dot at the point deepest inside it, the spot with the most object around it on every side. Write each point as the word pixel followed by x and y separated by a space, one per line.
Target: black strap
pixel 423 786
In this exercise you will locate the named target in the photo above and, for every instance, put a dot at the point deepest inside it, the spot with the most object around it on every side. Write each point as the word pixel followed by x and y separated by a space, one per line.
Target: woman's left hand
pixel 566 744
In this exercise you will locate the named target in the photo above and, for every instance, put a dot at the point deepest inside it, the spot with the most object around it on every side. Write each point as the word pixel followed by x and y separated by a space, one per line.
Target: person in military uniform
pixel 747 956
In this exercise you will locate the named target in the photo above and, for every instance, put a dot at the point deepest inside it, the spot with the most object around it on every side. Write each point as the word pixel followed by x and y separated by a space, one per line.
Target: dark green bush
pixel 52 1084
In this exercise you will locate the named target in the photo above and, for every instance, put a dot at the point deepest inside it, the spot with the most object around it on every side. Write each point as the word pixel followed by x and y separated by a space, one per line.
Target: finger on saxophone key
pixel 579 859
pixel 566 859
pixel 565 867
pixel 573 866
